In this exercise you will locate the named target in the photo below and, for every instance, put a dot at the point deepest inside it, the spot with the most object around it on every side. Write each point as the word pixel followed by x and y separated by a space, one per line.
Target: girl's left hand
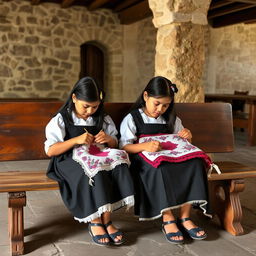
pixel 185 134
pixel 102 137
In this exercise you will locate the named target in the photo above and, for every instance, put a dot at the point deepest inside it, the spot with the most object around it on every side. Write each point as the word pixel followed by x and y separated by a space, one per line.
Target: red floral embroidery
pixel 94 150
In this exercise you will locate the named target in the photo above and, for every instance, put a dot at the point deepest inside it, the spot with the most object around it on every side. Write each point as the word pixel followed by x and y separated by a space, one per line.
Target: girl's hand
pixel 152 146
pixel 102 137
pixel 185 134
pixel 85 138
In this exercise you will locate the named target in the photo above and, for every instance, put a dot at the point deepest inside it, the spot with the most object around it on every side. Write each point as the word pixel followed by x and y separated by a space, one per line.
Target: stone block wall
pixel 40 48
pixel 139 57
pixel 231 59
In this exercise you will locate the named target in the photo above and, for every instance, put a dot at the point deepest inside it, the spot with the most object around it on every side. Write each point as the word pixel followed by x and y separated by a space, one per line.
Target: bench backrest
pixel 22 125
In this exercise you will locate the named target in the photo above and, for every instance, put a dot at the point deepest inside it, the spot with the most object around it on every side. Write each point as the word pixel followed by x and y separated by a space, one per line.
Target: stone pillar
pixel 180 44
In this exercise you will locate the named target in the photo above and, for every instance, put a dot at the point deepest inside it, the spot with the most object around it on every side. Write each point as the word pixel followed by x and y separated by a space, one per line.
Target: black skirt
pixel 169 186
pixel 110 191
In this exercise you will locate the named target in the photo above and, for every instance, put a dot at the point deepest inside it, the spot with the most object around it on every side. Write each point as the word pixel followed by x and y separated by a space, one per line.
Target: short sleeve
pixel 127 131
pixel 54 131
pixel 109 127
pixel 178 125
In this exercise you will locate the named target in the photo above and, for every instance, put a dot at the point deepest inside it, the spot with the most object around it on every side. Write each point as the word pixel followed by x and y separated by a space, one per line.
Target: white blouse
pixel 128 129
pixel 55 129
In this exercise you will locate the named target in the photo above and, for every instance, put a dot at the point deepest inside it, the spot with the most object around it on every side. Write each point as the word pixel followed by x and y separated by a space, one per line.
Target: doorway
pixel 92 62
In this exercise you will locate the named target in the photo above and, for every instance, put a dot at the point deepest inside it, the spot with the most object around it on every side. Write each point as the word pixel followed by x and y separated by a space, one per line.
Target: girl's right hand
pixel 152 146
pixel 85 138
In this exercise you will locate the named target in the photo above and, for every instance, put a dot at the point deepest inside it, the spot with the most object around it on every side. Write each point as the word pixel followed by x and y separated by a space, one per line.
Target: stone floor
pixel 50 229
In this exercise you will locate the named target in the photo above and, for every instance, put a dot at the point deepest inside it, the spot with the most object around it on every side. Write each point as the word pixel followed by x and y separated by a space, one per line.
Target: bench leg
pixel 17 200
pixel 224 197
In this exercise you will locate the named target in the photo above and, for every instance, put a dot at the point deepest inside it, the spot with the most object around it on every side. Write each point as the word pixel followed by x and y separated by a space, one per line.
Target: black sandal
pixel 113 236
pixel 193 231
pixel 169 236
pixel 96 238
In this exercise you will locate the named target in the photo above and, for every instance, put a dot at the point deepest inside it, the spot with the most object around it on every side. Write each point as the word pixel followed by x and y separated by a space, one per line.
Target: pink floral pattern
pixel 174 149
pixel 96 157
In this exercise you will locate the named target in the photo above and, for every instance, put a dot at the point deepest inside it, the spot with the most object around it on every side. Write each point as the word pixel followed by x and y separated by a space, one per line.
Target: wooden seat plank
pixel 233 170
pixel 16 181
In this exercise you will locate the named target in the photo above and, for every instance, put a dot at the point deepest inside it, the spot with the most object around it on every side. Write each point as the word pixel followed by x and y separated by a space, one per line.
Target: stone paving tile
pixel 4 239
pixel 3 207
pixel 46 204
pixel 5 250
pixel 224 248
pixel 41 248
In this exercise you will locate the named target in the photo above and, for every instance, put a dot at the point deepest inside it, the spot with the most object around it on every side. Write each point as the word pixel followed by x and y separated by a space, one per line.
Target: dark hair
pixel 86 89
pixel 159 87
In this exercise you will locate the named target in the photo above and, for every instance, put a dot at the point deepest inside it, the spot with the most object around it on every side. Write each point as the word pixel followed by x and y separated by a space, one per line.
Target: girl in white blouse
pixel 93 179
pixel 171 185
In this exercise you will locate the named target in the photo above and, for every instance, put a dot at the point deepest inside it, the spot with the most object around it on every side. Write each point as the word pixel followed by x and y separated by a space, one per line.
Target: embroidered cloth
pixel 174 149
pixel 96 157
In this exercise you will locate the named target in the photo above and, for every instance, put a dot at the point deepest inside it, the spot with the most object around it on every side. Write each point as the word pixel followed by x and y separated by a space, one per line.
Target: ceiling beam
pixel 124 4
pixel 245 1
pixel 218 3
pixel 135 13
pixel 35 2
pixel 97 4
pixel 67 3
pixel 228 9
pixel 234 18
pixel 251 22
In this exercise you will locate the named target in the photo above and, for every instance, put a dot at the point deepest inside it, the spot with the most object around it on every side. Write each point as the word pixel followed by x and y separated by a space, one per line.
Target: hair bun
pixel 174 88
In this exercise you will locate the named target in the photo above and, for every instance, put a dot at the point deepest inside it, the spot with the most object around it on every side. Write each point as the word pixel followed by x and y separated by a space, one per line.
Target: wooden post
pixel 224 197
pixel 17 200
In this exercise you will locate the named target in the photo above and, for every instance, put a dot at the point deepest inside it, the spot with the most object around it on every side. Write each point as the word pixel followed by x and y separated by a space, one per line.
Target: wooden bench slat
pixel 22 128
pixel 15 181
pixel 211 125
pixel 232 170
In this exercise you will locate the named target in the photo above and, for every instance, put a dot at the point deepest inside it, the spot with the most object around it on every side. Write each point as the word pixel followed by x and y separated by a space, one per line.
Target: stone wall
pixel 40 48
pixel 231 59
pixel 139 57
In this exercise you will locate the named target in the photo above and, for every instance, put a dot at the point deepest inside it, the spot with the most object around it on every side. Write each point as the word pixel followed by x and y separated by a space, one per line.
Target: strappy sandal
pixel 193 231
pixel 96 238
pixel 113 236
pixel 169 236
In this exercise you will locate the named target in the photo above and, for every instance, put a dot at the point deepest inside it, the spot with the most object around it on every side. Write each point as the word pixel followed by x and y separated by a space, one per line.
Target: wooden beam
pixel 229 9
pixel 218 3
pixel 67 3
pixel 124 5
pixel 135 13
pixel 234 18
pixel 245 1
pixel 35 2
pixel 251 22
pixel 97 4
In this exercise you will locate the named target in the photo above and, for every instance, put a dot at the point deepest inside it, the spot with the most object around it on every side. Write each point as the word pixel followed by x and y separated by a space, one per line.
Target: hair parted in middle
pixel 159 87
pixel 86 89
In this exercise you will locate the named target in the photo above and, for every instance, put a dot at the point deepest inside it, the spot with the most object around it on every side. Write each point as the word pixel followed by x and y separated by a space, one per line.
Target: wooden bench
pixel 22 138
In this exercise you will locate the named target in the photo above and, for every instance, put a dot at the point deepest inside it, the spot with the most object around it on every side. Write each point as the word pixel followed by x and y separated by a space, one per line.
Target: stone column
pixel 180 44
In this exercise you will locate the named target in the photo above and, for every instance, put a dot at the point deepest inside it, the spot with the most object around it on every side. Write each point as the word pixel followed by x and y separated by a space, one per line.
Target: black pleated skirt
pixel 169 186
pixel 111 190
